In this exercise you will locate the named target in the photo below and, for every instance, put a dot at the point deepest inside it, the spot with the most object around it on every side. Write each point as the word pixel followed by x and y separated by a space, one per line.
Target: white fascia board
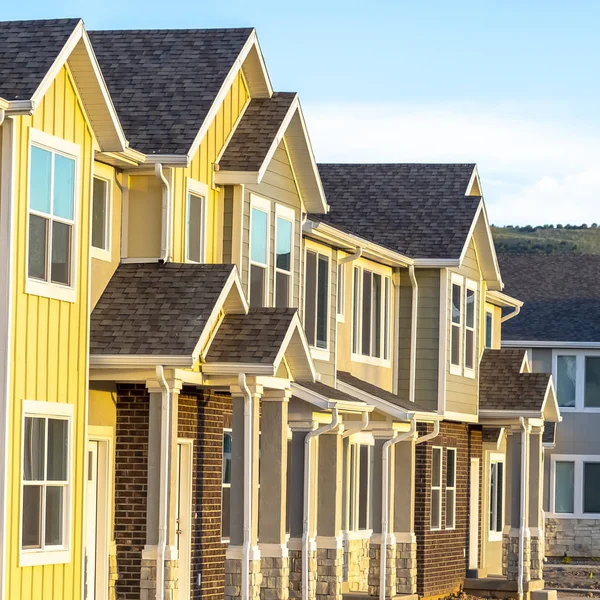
pixel 4 103
pixel 474 179
pixel 236 368
pixel 436 263
pixel 170 160
pixel 312 397
pixel 237 177
pixel 511 415
pixel 20 107
pixel 296 328
pixel 548 344
pixel 503 300
pixel 386 407
pixel 127 361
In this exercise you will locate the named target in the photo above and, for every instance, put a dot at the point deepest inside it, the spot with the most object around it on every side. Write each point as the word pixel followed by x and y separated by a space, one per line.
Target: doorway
pixel 184 516
pixel 474 515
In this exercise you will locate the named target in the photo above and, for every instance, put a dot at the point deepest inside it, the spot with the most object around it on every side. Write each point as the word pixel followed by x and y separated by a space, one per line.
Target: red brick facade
pixel 442 554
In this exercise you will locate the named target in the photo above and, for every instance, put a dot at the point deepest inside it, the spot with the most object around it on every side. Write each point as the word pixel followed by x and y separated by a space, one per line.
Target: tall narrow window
pixel 100 214
pixel 470 329
pixel 566 380
pixel 592 382
pixel 489 332
pixel 316 309
pixel 496 523
pixel 341 289
pixel 456 324
pixel 226 484
pixel 564 487
pixel 356 312
pixel 436 488
pixel 450 488
pixel 259 266
pixel 364 487
pixel 591 487
pixel 386 317
pixel 195 228
pixel 367 304
pixel 283 261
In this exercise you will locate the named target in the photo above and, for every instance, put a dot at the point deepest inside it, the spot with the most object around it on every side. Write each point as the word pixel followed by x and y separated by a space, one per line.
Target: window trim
pixel 226 430
pixel 456 369
pixel 470 372
pixel 323 354
pixel 104 254
pixel 287 214
pixel 451 489
pixel 264 205
pixel 48 289
pixel 358 441
pixel 200 190
pixel 578 491
pixel 56 555
pixel 436 487
pixel 580 356
pixel 497 458
pixel 488 313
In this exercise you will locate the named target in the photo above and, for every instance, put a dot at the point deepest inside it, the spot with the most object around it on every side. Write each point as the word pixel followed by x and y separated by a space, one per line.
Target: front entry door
pixel 184 516
pixel 91 525
pixel 474 516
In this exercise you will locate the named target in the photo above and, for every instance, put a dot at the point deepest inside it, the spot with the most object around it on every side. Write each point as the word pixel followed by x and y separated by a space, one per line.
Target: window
pixel 46 476
pixel 316 305
pixel 450 488
pixel 52 216
pixel 564 487
pixel 463 321
pixel 195 222
pixel 489 329
pixel 358 488
pixel 575 480
pixel 496 497
pixel 436 488
pixel 591 487
pixel 577 377
pixel 371 315
pixel 284 234
pixel 456 324
pixel 566 378
pixel 592 382
pixel 259 251
pixel 341 291
pixel 226 484
pixel 101 219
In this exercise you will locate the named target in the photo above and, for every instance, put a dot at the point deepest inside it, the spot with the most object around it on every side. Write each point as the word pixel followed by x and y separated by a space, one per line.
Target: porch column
pixel 273 495
pixel 154 485
pixel 330 548
pixel 515 441
pixel 377 541
pixel 243 483
pixel 536 495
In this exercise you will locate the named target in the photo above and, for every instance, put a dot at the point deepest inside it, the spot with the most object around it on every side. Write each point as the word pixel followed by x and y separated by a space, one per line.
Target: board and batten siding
pixel 49 344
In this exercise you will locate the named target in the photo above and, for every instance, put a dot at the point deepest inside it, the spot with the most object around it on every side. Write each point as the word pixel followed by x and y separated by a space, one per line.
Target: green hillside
pixel 545 239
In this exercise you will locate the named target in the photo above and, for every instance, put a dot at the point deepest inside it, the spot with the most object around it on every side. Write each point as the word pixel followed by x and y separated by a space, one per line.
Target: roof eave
pixel 128 361
pixel 549 344
pixel 503 300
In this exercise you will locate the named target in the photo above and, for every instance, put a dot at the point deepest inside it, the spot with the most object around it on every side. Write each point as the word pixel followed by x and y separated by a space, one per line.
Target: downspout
pixel 524 459
pixel 385 500
pixel 2 115
pixel 430 436
pixel 307 500
pixel 413 334
pixel 351 257
pixel 510 315
pixel 248 467
pixel 364 423
pixel 165 447
pixel 165 251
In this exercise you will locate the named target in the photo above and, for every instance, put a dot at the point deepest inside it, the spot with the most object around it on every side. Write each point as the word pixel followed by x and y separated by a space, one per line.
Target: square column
pixel 272 510
pixel 536 494
pixel 243 483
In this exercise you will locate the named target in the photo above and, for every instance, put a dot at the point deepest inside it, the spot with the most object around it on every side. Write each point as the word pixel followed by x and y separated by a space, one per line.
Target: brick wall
pixel 442 554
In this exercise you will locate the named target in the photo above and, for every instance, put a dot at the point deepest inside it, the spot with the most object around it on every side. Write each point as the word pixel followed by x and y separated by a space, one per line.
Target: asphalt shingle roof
pixel 328 391
pixel 253 338
pixel 163 82
pixel 503 387
pixel 561 294
pixel 248 147
pixel 490 434
pixel 380 393
pixel 419 210
pixel 549 435
pixel 27 51
pixel 156 309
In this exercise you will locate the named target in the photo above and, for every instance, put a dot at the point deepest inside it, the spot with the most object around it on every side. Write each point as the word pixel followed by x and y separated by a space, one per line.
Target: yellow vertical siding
pixel 49 353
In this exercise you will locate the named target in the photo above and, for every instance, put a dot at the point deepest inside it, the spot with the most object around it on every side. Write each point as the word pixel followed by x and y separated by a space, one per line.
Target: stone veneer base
pixel 233 579
pixel 295 568
pixel 406 568
pixel 275 583
pixel 510 556
pixel 148 579
pixel 375 570
pixel 579 538
pixel 330 565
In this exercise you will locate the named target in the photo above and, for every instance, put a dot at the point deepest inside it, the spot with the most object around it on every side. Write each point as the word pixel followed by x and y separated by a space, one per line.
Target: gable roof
pixel 165 83
pixel 561 294
pixel 419 210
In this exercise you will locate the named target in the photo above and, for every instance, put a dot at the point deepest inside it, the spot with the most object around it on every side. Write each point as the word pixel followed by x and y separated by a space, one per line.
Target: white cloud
pixel 533 170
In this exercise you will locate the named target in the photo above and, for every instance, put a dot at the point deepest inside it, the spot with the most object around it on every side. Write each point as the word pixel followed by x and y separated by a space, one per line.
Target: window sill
pixel 359 534
pixel 320 354
pixel 495 536
pixel 469 373
pixel 50 290
pixel 371 360
pixel 35 558
pixel 580 409
pixel 581 516
pixel 455 370
pixel 101 254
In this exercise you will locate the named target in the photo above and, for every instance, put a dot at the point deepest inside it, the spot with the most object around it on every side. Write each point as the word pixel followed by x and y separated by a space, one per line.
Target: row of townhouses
pixel 229 371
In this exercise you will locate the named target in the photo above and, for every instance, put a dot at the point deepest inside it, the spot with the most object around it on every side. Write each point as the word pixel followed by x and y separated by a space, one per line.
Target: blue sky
pixel 510 85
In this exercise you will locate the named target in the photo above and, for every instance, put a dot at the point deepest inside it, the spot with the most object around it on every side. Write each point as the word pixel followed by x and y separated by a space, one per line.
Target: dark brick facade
pixel 442 555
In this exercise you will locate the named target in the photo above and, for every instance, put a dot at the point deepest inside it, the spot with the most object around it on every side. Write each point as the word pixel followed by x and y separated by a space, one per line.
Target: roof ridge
pixel 175 30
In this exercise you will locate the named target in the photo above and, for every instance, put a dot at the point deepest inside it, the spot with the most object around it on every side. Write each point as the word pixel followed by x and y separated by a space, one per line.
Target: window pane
pixel 469 347
pixel 386 320
pixel 355 313
pixel 493 495
pixel 40 179
pixel 227 458
pixel 60 268
pixel 591 487
pixel 566 376
pixel 33 449
pixel 450 468
pixel 64 186
pixel 592 381
pixel 258 244
pixel 456 303
pixel 363 483
pixel 194 228
pixel 450 501
pixel 99 208
pixel 436 499
pixel 283 245
pixel 54 515
pixel 376 348
pixel 282 289
pixel 322 299
pixel 225 512
pixel 564 487
pixel 341 282
pixel 352 510
pixel 455 348
pixel 32 506
pixel 488 329
pixel 310 300
pixel 470 316
pixel 57 449
pixel 38 242
pixel 500 498
pixel 366 313
pixel 257 285
pixel 436 467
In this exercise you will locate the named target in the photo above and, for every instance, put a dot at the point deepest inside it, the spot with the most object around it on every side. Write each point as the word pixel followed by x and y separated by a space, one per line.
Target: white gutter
pixel 385 500
pixel 430 436
pixel 307 500
pixel 2 115
pixel 165 447
pixel 351 257
pixel 165 250
pixel 524 460
pixel 364 423
pixel 413 334
pixel 510 315
pixel 248 467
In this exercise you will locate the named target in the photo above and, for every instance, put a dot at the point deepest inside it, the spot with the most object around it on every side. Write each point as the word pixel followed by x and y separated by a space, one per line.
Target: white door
pixel 184 516
pixel 474 516
pixel 91 525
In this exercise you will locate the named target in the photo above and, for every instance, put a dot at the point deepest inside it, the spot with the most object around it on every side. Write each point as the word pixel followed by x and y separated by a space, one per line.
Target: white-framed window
pixel 463 326
pixel 575 484
pixel 101 217
pixel 489 329
pixel 195 222
pixel 371 316
pixel 470 320
pixel 496 487
pixel 52 216
pixel 260 212
pixel 284 255
pixel 577 377
pixel 358 487
pixel 436 487
pixel 450 488
pixel 456 299
pixel 341 292
pixel 46 475
pixel 226 484
pixel 316 299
